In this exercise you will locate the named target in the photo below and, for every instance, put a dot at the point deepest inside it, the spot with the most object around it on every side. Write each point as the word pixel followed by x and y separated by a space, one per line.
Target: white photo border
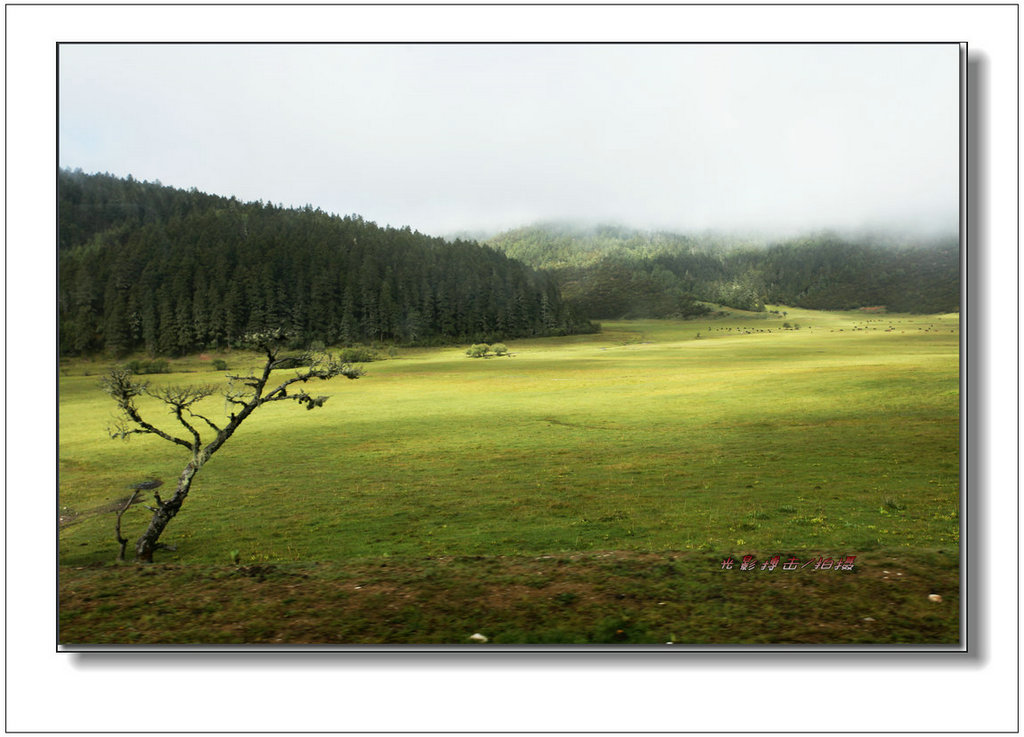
pixel 717 692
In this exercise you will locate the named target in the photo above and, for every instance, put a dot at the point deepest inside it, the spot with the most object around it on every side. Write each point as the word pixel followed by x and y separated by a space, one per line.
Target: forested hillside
pixel 148 267
pixel 613 272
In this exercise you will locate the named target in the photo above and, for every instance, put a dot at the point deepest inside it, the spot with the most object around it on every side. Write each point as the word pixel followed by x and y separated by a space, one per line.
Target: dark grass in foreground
pixel 582 598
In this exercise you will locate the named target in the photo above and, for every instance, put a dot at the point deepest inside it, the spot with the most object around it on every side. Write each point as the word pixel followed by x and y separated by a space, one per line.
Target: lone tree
pixel 244 395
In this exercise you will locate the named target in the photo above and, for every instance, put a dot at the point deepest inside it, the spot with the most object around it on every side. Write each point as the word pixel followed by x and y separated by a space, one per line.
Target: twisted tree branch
pixel 241 402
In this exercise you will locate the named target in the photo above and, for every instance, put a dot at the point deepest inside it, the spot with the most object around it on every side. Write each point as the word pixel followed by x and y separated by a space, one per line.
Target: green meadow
pixel 585 489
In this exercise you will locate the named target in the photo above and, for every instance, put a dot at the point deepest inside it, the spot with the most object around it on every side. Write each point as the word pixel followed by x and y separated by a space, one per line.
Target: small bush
pixel 500 349
pixel 478 350
pixel 155 366
pixel 894 504
pixel 358 354
pixel 219 364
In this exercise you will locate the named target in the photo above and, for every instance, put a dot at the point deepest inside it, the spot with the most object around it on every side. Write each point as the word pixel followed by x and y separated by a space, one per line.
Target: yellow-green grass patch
pixel 840 438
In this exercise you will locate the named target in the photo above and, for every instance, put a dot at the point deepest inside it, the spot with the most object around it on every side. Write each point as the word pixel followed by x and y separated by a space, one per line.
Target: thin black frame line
pixel 6 240
pixel 474 732
pixel 784 649
pixel 964 369
pixel 509 43
pixel 56 213
pixel 896 650
pixel 519 5
pixel 1018 75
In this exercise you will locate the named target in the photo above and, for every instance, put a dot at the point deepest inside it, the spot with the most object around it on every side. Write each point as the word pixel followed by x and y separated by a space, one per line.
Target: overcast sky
pixel 446 138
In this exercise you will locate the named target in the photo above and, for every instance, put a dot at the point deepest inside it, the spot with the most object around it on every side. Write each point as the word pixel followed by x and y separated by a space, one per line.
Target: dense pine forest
pixel 144 267
pixel 612 272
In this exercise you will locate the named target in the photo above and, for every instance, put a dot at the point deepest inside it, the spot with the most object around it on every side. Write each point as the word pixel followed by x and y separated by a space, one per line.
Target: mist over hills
pixel 614 271
pixel 148 267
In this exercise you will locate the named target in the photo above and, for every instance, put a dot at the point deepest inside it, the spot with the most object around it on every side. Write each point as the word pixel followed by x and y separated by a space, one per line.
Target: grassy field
pixel 587 489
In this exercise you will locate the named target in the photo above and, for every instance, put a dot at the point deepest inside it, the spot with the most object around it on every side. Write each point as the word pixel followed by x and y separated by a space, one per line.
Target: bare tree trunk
pixel 121 385
pixel 166 510
pixel 164 513
pixel 123 541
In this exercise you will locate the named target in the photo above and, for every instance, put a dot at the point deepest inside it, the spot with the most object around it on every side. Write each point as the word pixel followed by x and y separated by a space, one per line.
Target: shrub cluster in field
pixel 357 355
pixel 154 366
pixel 482 350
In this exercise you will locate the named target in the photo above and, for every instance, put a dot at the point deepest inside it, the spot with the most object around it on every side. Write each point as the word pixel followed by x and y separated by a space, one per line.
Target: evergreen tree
pixel 147 267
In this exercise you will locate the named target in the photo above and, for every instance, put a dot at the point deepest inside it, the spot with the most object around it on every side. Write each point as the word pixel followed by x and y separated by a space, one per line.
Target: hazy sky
pixel 451 137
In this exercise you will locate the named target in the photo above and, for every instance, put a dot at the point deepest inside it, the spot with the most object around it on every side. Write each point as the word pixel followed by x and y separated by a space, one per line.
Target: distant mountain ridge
pixel 611 271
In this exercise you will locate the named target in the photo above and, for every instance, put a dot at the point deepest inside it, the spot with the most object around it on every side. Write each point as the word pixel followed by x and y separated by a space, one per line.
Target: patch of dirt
pixel 263 572
pixel 607 595
pixel 563 592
